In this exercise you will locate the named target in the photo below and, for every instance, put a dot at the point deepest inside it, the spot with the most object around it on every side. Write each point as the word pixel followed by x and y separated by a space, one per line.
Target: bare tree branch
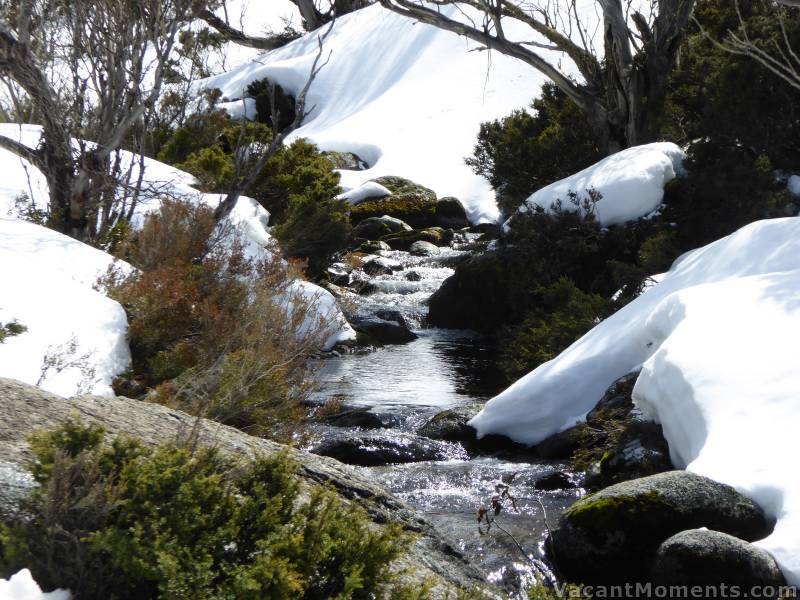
pixel 239 37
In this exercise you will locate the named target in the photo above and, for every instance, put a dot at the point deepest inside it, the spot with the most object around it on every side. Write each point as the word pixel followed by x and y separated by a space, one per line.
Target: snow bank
pixel 406 98
pixel 22 587
pixel 324 314
pixel 365 191
pixel 47 286
pixel 718 341
pixel 631 183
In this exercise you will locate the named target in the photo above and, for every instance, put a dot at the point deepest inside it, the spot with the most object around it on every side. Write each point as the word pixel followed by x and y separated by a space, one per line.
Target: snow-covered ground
pixel 718 342
pixel 22 587
pixel 75 340
pixel 405 97
pixel 631 183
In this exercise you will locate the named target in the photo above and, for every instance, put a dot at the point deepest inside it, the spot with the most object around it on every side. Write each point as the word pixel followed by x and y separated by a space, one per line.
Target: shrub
pixel 124 521
pixel 726 188
pixel 314 229
pixel 706 92
pixel 526 151
pixel 213 168
pixel 215 334
pixel 262 91
pixel 11 329
pixel 562 313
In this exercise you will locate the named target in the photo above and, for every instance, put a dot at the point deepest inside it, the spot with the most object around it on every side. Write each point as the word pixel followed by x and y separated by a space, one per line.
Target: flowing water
pixel 407 384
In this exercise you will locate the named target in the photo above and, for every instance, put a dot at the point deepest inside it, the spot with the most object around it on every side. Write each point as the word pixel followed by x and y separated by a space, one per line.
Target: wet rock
pixel 560 445
pixel 611 536
pixel 554 481
pixel 405 239
pixel 451 425
pixel 354 416
pixel 489 231
pixel 450 213
pixel 393 315
pixel 381 266
pixel 372 450
pixel 361 284
pixel 422 248
pixel 339 274
pixel 373 247
pixel 382 331
pixel 710 558
pixel 375 228
pixel 413 276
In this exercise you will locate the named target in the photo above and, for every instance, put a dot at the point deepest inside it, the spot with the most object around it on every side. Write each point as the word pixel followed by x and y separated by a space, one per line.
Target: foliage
pixel 124 521
pixel 726 188
pixel 267 93
pixel 11 329
pixel 527 150
pixel 214 333
pixel 731 98
pixel 314 229
pixel 561 314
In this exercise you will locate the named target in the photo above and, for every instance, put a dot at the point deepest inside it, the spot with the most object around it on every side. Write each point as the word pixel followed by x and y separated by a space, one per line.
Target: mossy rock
pixel 450 213
pixel 612 536
pixel 411 202
pixel 375 228
pixel 405 239
pixel 347 161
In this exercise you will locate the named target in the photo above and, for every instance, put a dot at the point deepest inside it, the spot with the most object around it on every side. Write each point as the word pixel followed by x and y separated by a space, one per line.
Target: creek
pixel 405 385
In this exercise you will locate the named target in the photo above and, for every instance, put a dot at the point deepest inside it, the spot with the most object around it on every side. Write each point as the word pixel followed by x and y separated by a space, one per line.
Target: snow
pixel 406 98
pixel 631 183
pixel 324 314
pixel 22 587
pixel 717 343
pixel 365 191
pixel 794 185
pixel 47 287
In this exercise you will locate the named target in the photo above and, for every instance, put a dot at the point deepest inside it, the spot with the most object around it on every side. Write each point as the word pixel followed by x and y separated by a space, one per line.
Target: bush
pixel 213 333
pixel 314 229
pixel 726 188
pixel 731 98
pixel 124 521
pixel 561 314
pixel 11 329
pixel 526 151
pixel 262 91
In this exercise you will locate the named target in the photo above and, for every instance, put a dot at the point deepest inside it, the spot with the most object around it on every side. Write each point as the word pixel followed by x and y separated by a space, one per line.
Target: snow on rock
pixel 22 587
pixel 631 183
pixel 75 339
pixel 407 98
pixel 718 341
pixel 366 191
pixel 794 185
pixel 324 314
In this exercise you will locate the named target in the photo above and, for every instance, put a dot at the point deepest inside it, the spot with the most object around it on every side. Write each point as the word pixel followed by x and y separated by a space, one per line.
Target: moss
pixel 608 513
pixel 417 211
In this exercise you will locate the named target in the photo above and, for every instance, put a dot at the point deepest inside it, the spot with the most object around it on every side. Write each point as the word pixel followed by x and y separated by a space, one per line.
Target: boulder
pixel 404 239
pixel 430 559
pixel 353 416
pixel 422 248
pixel 361 284
pixel 560 445
pixel 450 213
pixel 376 227
pixel 381 266
pixel 451 425
pixel 556 480
pixel 388 314
pixel 339 274
pixel 710 558
pixel 413 276
pixel 373 449
pixel 382 331
pixel 409 201
pixel 345 160
pixel 373 247
pixel 612 535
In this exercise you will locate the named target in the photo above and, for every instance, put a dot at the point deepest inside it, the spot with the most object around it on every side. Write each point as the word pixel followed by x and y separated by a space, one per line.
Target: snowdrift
pixel 407 98
pixel 22 587
pixel 631 183
pixel 718 342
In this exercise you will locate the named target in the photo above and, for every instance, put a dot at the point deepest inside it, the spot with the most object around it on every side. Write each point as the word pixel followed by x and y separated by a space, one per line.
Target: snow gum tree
pixel 623 57
pixel 87 70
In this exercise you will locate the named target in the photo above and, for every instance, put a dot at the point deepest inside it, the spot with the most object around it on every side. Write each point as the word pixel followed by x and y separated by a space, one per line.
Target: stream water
pixel 406 385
